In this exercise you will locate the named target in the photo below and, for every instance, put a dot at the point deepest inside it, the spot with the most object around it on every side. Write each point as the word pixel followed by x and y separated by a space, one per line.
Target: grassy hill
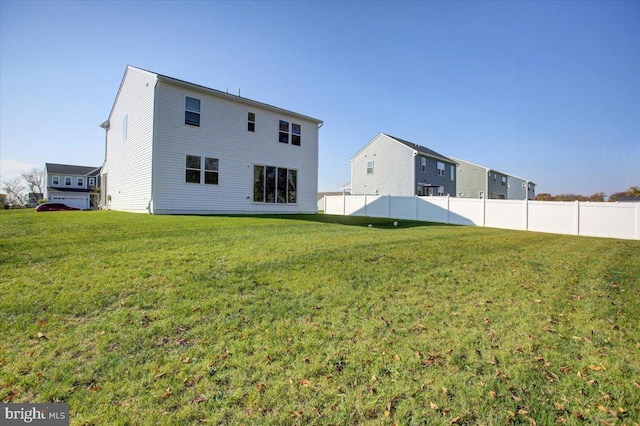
pixel 137 319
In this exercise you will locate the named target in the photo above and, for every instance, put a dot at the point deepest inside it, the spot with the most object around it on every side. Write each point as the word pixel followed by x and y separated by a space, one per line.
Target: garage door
pixel 77 202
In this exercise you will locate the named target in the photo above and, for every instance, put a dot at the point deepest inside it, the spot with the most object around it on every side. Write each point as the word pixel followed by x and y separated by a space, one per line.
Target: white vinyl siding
pixel 223 135
pixel 390 158
pixel 128 164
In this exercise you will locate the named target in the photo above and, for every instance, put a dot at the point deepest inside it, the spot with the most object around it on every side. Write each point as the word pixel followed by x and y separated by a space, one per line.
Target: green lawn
pixel 137 319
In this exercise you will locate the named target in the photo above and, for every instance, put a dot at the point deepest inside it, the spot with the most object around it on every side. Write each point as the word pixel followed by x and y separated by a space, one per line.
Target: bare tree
pixel 34 179
pixel 15 190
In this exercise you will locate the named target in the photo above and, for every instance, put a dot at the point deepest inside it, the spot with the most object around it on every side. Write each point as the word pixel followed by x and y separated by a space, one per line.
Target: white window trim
pixel 78 183
pixel 423 164
pixel 70 181
pixel 372 167
pixel 55 180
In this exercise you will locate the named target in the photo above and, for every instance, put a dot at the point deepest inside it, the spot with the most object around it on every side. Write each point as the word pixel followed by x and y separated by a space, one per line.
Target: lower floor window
pixel 276 185
pixel 194 169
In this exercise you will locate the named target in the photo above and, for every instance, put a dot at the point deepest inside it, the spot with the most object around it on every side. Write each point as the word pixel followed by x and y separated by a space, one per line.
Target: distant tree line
pixel 633 191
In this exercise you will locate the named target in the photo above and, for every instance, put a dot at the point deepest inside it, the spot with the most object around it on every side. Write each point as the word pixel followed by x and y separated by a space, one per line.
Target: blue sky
pixel 549 91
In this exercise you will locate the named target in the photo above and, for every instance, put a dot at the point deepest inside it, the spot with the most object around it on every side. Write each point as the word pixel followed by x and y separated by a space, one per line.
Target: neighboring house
pixel 476 181
pixel 174 147
pixel 392 166
pixel 628 199
pixel 71 185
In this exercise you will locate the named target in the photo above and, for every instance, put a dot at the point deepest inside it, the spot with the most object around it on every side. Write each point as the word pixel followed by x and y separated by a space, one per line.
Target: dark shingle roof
pixel 67 169
pixel 422 149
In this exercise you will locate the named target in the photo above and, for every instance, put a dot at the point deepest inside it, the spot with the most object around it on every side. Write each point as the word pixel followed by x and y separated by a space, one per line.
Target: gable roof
pixel 422 149
pixel 68 169
pixel 213 92
pixel 488 169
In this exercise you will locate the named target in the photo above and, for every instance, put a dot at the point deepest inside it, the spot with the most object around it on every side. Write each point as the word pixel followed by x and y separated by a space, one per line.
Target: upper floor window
pixel 452 173
pixel 289 132
pixel 67 180
pixel 370 167
pixel 192 111
pixel 423 164
pixel 295 134
pixel 92 182
pixel 80 181
pixel 251 122
pixel 440 169
pixel 504 181
pixel 124 127
pixel 55 180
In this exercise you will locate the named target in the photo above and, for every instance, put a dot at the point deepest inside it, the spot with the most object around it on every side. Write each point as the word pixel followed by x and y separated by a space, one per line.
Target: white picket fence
pixel 611 220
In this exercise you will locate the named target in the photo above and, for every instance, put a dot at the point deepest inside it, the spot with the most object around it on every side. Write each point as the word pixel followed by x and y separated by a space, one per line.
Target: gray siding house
pixel 392 166
pixel 71 185
pixel 475 181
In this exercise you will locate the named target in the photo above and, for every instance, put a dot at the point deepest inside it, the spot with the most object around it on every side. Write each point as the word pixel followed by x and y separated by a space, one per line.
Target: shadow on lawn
pixel 376 222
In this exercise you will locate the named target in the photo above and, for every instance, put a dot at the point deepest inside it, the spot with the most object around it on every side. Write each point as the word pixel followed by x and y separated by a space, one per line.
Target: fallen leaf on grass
pixel 433 406
pixel 167 394
pixel 261 387
pixel 42 336
pixel 10 396
pixel 304 383
pixel 454 421
pixel 597 368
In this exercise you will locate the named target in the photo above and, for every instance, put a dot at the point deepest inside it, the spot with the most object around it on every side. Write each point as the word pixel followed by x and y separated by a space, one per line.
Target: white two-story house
pixel 174 147
pixel 71 185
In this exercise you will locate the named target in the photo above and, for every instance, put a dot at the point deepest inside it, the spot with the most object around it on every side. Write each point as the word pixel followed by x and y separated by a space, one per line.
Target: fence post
pixel 365 205
pixel 344 204
pixel 484 210
pixel 526 214
pixel 576 218
pixel 388 206
pixel 637 221
pixel 415 203
pixel 448 208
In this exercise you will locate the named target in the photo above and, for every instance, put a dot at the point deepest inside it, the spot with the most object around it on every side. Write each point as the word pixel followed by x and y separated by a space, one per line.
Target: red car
pixel 54 207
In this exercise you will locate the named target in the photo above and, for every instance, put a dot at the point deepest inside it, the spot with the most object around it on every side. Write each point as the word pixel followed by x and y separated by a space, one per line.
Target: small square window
pixel 55 180
pixel 440 169
pixel 370 167
pixel 80 181
pixel 92 182
pixel 67 180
